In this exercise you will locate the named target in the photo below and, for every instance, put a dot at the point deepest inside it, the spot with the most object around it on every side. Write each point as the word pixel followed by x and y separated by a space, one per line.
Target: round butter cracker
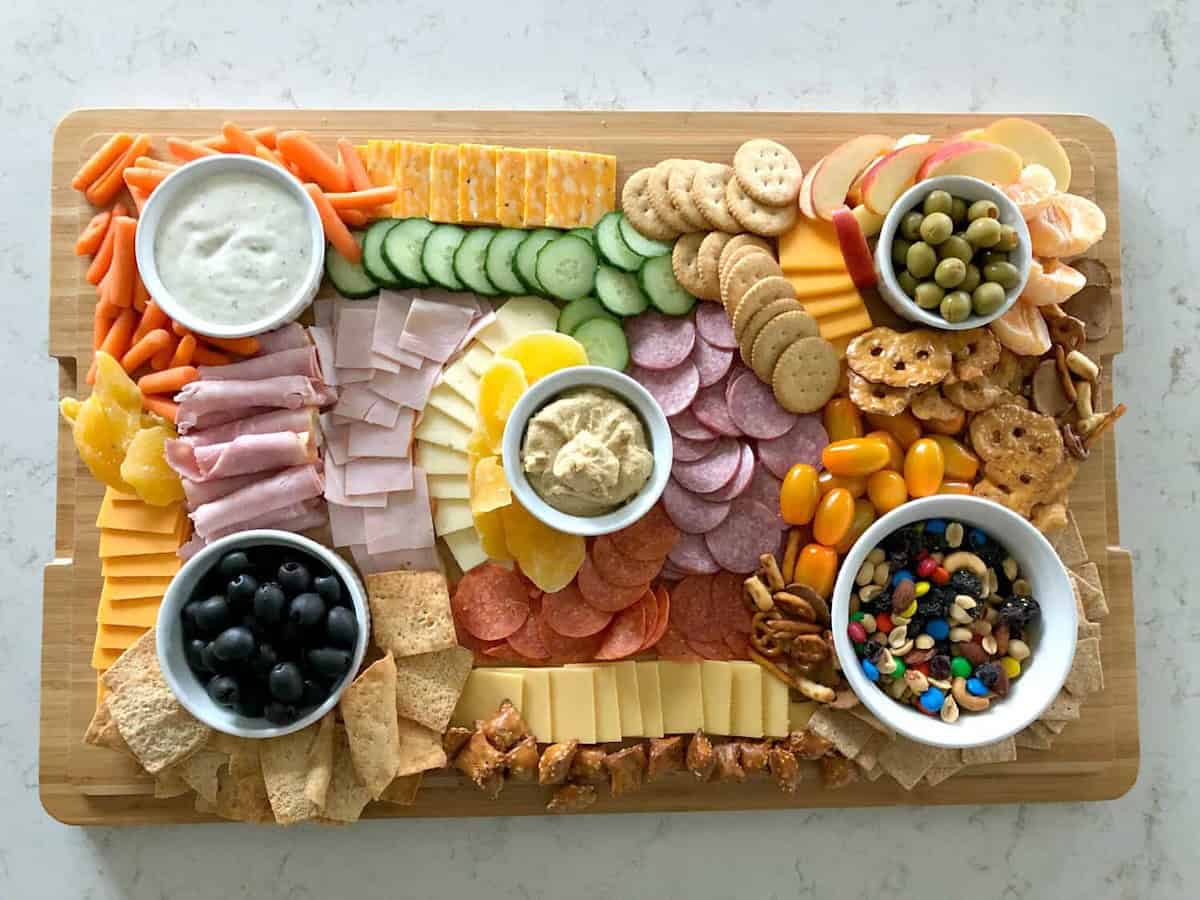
pixel 685 261
pixel 759 321
pixel 757 297
pixel 708 191
pixel 660 198
pixel 639 209
pixel 755 217
pixel 787 327
pixel 743 275
pixel 768 172
pixel 679 190
pixel 806 375
pixel 709 261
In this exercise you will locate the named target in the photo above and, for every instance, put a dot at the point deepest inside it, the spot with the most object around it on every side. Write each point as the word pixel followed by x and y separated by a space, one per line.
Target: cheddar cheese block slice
pixel 476 183
pixel 573 705
pixel 650 695
pixel 825 307
pixel 629 698
pixel 119 589
pixel 844 326
pixel 682 696
pixel 413 171
pixel 536 709
pixel 135 543
pixel 775 706
pixel 141 613
pixel 564 188
pixel 716 682
pixel 117 637
pixel 820 284
pixel 608 703
pixel 443 183
pixel 153 565
pixel 747 706
pixel 123 515
pixel 103 657
pixel 534 214
pixel 379 162
pixel 510 187
pixel 466 548
pixel 483 693
pixel 811 245
pixel 598 187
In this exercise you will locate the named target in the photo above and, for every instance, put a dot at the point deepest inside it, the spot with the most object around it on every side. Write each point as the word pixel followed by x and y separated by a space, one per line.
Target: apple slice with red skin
pixel 805 199
pixel 840 167
pixel 885 181
pixel 988 162
pixel 855 251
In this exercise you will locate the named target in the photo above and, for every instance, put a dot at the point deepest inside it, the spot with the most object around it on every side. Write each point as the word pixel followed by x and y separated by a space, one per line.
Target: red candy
pixel 883 622
pixel 940 576
pixel 926 567
pixel 923 668
pixel 857 633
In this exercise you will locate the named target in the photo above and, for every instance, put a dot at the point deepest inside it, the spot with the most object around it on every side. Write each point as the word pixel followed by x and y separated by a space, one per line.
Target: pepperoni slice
pixel 503 652
pixel 617 568
pixel 692 609
pixel 673 646
pixel 662 617
pixel 710 649
pixel 472 643
pixel 728 606
pixel 626 634
pixel 490 602
pixel 566 612
pixel 527 641
pixel 564 649
pixel 603 594
pixel 738 644
pixel 650 537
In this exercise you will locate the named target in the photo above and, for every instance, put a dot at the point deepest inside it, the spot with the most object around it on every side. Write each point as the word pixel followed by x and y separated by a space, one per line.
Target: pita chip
pixel 347 796
pixel 428 686
pixel 320 762
pixel 285 763
pixel 368 708
pixel 158 730
pixel 420 749
pixel 403 790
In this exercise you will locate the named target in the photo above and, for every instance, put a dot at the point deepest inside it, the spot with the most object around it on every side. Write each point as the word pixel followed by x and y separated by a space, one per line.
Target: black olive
pixel 264 660
pixel 342 628
pixel 233 564
pixel 212 615
pixel 251 704
pixel 315 693
pixel 279 713
pixel 329 587
pixel 234 644
pixel 285 682
pixel 240 590
pixel 194 651
pixel 211 663
pixel 188 616
pixel 294 577
pixel 224 690
pixel 270 603
pixel 292 638
pixel 306 609
pixel 329 662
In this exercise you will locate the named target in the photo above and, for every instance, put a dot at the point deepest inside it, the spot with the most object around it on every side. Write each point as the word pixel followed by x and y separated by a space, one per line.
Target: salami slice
pixel 626 634
pixel 713 471
pixel 738 644
pixel 567 650
pixel 764 487
pixel 692 609
pixel 712 411
pixel 711 362
pixel 526 641
pixel 659 342
pixel 736 486
pixel 691 555
pixel 619 569
pixel 686 450
pixel 670 572
pixel 472 643
pixel 662 616
pixel 710 649
pixel 490 602
pixel 803 443
pixel 503 652
pixel 650 537
pixel 567 613
pixel 673 646
pixel 728 606
pixel 749 531
pixel 673 389
pixel 602 594
pixel 691 512
pixel 754 409
pixel 714 326
pixel 685 425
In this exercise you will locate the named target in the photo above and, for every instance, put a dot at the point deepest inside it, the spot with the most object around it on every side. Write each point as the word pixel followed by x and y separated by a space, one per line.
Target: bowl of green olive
pixel 953 253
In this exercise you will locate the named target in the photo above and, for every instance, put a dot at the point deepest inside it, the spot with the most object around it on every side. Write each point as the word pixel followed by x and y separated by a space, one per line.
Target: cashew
pixel 966 699
pixel 964 560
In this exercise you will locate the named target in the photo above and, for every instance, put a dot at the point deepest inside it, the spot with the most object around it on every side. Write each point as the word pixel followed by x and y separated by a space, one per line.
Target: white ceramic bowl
pixel 969 189
pixel 186 176
pixel 169 632
pixel 658 434
pixel 1052 641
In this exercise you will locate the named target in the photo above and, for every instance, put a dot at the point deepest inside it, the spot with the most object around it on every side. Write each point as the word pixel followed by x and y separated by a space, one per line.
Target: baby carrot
pixel 298 147
pixel 162 359
pixel 179 330
pixel 149 162
pixel 219 143
pixel 139 197
pixel 245 346
pixel 102 260
pixel 205 357
pixel 105 188
pixel 124 268
pixel 152 319
pixel 146 179
pixel 168 409
pixel 188 150
pixel 239 140
pixel 353 165
pixel 102 320
pixel 98 163
pixel 167 381
pixel 337 232
pixel 141 296
pixel 354 218
pixel 265 136
pixel 142 349
pixel 93 234
pixel 363 199
pixel 116 342
pixel 183 352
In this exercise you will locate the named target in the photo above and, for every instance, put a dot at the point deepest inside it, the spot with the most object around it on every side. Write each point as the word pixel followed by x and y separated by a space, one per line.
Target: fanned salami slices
pixel 686 425
pixel 662 617
pixel 567 613
pixel 605 595
pixel 710 649
pixel 692 609
pixel 672 645
pixel 728 606
pixel 711 362
pixel 685 450
pixel 674 389
pixel 659 342
pixel 692 556
pixel 626 634
pixel 490 602
pixel 754 409
pixel 738 644
pixel 527 641
pixel 803 443
pixel 738 541
pixel 712 411
pixel 565 649
pixel 616 568
pixel 713 325
pixel 691 512
pixel 649 538
pixel 736 486
pixel 712 472
pixel 764 487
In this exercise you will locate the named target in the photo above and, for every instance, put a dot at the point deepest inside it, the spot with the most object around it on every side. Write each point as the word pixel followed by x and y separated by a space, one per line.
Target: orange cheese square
pixel 117 637
pixel 564 188
pixel 135 543
pixel 846 325
pixel 443 183
pixel 123 515
pixel 476 183
pixel 140 613
pixel 820 284
pixel 153 565
pixel 122 497
pixel 824 307
pixel 510 187
pixel 535 188
pixel 378 162
pixel 599 187
pixel 811 245
pixel 118 589
pixel 412 173
pixel 104 657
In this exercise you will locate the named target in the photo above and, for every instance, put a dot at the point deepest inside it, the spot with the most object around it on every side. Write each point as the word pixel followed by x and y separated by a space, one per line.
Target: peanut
pixel 949 712
pixel 924 642
pixel 1018 650
pixel 960 635
pixel 954 535
pixel 865 573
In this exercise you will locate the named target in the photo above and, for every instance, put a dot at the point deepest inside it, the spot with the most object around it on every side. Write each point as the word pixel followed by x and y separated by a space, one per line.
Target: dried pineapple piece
pixel 489 488
pixel 105 423
pixel 490 528
pixel 541 352
pixel 500 387
pixel 548 557
pixel 145 467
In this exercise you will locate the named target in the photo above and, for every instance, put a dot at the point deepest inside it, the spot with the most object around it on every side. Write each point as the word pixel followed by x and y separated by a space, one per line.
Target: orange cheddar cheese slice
pixel 535 188
pixel 412 174
pixel 103 657
pixel 564 188
pixel 117 637
pixel 135 543
pixel 141 613
pixel 153 565
pixel 810 245
pixel 138 516
pixel 476 183
pixel 101 691
pixel 820 284
pixel 845 325
pixel 122 497
pixel 443 183
pixel 824 307
pixel 510 187
pixel 119 589
pixel 598 187
pixel 379 163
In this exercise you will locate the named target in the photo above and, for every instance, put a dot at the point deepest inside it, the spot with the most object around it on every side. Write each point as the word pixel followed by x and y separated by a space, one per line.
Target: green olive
pixel 929 295
pixel 910 225
pixel 991 256
pixel 1004 274
pixel 958 211
pixel 1008 238
pixel 987 298
pixel 956 306
pixel 920 260
pixel 908 283
pixel 936 228
pixel 984 232
pixel 899 250
pixel 938 202
pixel 971 279
pixel 983 209
pixel 956 247
pixel 950 273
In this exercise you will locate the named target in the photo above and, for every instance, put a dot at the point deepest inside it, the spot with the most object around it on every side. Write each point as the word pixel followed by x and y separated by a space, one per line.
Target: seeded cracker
pixel 1064 707
pixel 368 707
pixel 1035 737
pixel 1069 544
pixel 949 763
pixel 907 761
pixel 868 756
pixel 1087 672
pixel 169 782
pixel 1001 751
pixel 139 659
pixel 846 733
pixel 806 375
pixel 410 612
pixel 865 715
pixel 428 686
pixel 755 217
pixel 1053 726
pixel 708 191
pixel 1086 581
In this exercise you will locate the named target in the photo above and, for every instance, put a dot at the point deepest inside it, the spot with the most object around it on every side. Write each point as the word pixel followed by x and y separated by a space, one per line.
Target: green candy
pixel 900 668
pixel 960 668
pixel 857 617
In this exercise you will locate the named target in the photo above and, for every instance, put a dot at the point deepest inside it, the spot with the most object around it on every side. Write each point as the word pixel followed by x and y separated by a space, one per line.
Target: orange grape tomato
pixel 816 566
pixel 954 487
pixel 896 458
pixel 961 464
pixel 864 515
pixel 923 468
pixel 904 428
pixel 842 419
pixel 855 484
pixel 948 426
pixel 799 495
pixel 834 514
pixel 887 490
pixel 855 456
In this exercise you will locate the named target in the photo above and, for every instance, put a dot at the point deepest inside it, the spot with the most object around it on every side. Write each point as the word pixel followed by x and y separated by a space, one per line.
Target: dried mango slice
pixel 490 528
pixel 549 558
pixel 105 423
pixel 541 352
pixel 489 487
pixel 145 467
pixel 500 387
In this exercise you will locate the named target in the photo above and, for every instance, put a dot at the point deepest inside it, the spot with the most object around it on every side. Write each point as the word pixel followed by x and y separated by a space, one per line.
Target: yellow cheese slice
pixel 573 705
pixel 134 543
pixel 775 706
pixel 103 657
pixel 138 516
pixel 438 428
pixel 379 162
pixel 452 515
pixel 608 702
pixel 465 547
pixel 537 709
pixel 844 324
pixel 443 183
pixel 449 487
pixel 534 214
pixel 799 714
pixel 140 613
pixel 118 589
pixel 459 377
pixel 747 719
pixel 564 188
pixel 682 696
pixel 829 307
pixel 629 698
pixel 820 284
pixel 478 357
pixel 599 187
pixel 122 497
pixel 413 169
pixel 811 245
pixel 524 315
pixel 437 460
pixel 716 682
pixel 156 565
pixel 117 637
pixel 446 400
pixel 476 183
pixel 510 187
pixel 650 694
pixel 483 693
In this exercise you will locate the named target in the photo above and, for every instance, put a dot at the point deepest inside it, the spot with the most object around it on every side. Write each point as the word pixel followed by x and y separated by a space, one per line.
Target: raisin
pixel 964 582
pixel 939 667
pixel 1018 611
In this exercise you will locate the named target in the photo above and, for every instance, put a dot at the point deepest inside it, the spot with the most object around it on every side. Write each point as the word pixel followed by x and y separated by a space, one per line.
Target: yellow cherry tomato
pixel 799 495
pixel 855 484
pixel 816 566
pixel 904 428
pixel 864 515
pixel 842 419
pixel 923 468
pixel 834 514
pixel 855 456
pixel 887 490
pixel 896 457
pixel 961 464
pixel 953 425
pixel 954 487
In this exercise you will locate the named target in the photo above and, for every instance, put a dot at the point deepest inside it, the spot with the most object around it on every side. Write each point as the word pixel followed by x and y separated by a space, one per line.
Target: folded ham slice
pixel 408 387
pixel 297 361
pixel 389 325
pixel 219 417
pixel 405 523
pixel 288 337
pixel 244 454
pixel 296 517
pixel 200 492
pixel 202 398
pixel 434 330
pixel 297 420
pixel 262 495
pixel 422 559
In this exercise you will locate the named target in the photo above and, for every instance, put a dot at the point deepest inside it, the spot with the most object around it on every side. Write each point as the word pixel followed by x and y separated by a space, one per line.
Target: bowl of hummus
pixel 587 450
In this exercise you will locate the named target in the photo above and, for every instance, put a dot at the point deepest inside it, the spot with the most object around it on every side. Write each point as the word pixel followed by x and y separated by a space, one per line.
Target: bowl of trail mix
pixel 954 621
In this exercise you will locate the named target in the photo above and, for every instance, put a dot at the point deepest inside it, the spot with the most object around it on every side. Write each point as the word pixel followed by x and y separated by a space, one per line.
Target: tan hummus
pixel 586 453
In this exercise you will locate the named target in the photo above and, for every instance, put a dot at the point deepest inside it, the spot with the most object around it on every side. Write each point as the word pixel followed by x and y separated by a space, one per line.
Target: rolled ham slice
pixel 297 361
pixel 242 455
pixel 289 337
pixel 271 492
pixel 219 417
pixel 200 492
pixel 297 420
pixel 296 517
pixel 201 398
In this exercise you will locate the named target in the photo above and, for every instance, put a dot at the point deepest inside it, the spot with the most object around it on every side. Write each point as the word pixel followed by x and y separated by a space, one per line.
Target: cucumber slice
pixel 657 281
pixel 470 261
pixel 604 341
pixel 579 311
pixel 502 261
pixel 437 256
pixel 612 247
pixel 586 233
pixel 349 279
pixel 402 249
pixel 527 257
pixel 642 246
pixel 566 267
pixel 373 262
pixel 619 291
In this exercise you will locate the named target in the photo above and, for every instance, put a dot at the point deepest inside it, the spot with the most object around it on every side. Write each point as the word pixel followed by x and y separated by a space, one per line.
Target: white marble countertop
pixel 1134 66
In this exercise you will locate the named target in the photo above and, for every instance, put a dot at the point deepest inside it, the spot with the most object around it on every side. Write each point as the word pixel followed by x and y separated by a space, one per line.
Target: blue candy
pixel 977 687
pixel 870 670
pixel 933 699
pixel 977 538
pixel 936 526
pixel 938 629
pixel 902 575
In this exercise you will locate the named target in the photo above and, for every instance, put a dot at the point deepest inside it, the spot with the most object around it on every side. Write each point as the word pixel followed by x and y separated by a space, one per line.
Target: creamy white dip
pixel 233 247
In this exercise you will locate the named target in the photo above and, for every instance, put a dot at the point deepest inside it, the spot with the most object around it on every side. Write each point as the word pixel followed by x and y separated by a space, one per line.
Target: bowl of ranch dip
pixel 587 450
pixel 231 246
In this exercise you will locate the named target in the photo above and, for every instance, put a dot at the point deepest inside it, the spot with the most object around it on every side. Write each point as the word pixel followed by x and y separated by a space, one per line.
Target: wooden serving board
pixel 1094 759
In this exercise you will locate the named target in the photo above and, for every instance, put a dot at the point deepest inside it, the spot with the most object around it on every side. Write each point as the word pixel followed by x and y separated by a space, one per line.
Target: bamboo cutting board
pixel 1094 759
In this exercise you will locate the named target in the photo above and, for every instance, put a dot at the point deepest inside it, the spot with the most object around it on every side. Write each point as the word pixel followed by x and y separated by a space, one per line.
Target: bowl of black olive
pixel 260 631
